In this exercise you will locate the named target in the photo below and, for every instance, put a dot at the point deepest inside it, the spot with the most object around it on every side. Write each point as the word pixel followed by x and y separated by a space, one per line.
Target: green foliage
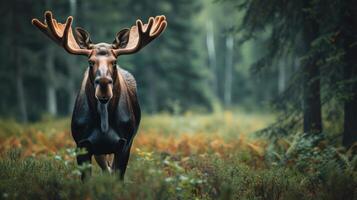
pixel 300 36
pixel 313 154
pixel 323 163
pixel 157 176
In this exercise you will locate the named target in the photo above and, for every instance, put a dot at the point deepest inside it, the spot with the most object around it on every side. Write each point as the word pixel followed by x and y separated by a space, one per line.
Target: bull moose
pixel 106 114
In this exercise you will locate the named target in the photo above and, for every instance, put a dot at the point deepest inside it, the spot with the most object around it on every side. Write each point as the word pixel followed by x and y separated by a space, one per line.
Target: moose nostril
pixel 110 81
pixel 103 100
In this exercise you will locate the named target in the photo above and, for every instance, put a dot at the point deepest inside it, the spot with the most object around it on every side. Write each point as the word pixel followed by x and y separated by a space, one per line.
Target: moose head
pixel 102 56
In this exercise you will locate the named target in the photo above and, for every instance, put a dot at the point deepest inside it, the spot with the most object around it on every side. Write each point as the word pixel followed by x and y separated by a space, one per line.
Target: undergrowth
pixel 174 158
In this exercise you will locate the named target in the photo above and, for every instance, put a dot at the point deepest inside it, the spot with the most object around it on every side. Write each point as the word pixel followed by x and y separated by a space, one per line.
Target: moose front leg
pixel 121 158
pixel 85 158
pixel 121 162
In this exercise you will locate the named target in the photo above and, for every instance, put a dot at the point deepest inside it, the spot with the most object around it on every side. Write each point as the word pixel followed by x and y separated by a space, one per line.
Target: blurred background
pixel 295 59
pixel 241 99
pixel 196 65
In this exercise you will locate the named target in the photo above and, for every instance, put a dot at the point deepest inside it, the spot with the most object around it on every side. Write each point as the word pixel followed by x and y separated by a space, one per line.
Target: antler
pixel 141 35
pixel 60 33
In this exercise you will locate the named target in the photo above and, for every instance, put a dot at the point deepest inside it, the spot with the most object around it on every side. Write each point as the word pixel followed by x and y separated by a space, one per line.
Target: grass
pixel 192 156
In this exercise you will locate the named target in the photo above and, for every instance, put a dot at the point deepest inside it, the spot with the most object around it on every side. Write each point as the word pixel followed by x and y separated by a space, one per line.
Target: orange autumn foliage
pixel 184 136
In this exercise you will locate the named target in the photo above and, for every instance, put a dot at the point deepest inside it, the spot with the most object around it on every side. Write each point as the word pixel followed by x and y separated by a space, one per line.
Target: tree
pixel 212 57
pixel 311 73
pixel 291 23
pixel 228 71
pixel 16 54
pixel 349 35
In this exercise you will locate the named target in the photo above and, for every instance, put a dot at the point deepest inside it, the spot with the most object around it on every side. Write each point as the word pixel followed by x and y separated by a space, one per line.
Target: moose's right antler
pixel 60 33
pixel 142 34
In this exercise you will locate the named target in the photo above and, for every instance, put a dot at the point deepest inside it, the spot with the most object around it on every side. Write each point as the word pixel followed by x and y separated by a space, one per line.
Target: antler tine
pixel 60 33
pixel 159 20
pixel 50 24
pixel 42 27
pixel 66 33
pixel 142 34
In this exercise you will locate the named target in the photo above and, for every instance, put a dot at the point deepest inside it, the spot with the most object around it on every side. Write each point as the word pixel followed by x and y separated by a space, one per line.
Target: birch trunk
pixel 228 71
pixel 20 90
pixel 71 89
pixel 282 76
pixel 212 56
pixel 152 98
pixel 51 82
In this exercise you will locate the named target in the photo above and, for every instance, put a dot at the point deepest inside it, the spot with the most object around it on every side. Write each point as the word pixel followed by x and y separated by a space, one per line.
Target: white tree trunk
pixel 15 57
pixel 282 76
pixel 152 99
pixel 73 7
pixel 228 71
pixel 20 90
pixel 212 56
pixel 51 82
pixel 71 89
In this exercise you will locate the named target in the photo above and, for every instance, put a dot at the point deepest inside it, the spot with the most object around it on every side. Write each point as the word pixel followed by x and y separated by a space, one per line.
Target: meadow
pixel 189 156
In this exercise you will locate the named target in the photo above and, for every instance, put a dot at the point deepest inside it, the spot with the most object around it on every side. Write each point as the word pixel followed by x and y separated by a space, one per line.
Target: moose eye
pixel 90 63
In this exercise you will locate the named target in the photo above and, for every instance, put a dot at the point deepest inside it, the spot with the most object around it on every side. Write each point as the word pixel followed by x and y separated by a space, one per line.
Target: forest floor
pixel 191 156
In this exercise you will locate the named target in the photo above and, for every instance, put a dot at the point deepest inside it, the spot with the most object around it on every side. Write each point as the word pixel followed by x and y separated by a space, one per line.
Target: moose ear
pixel 121 39
pixel 83 38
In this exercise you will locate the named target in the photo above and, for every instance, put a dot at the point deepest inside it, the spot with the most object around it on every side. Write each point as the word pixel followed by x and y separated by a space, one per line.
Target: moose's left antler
pixel 60 33
pixel 142 34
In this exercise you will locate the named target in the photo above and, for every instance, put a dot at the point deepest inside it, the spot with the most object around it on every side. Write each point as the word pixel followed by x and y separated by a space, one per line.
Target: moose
pixel 106 114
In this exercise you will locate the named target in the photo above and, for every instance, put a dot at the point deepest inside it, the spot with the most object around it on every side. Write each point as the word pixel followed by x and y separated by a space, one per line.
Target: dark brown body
pixel 124 119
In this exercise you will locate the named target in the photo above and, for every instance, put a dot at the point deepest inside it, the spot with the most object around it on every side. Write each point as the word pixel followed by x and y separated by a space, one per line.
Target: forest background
pixel 269 87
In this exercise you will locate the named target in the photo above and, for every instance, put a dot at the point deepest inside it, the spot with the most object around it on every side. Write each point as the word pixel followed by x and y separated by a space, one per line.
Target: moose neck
pixel 102 111
pixel 103 115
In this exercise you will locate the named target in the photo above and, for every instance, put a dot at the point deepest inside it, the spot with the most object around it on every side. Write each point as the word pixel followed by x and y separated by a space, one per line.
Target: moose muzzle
pixel 103 89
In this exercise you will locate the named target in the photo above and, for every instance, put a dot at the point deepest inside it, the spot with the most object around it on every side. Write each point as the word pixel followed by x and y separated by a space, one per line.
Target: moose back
pixel 106 114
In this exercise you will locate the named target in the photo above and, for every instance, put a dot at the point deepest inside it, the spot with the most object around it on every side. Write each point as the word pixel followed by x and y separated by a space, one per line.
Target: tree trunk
pixel 282 75
pixel 311 98
pixel 311 79
pixel 71 89
pixel 51 82
pixel 152 97
pixel 350 73
pixel 212 57
pixel 21 99
pixel 20 89
pixel 228 71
